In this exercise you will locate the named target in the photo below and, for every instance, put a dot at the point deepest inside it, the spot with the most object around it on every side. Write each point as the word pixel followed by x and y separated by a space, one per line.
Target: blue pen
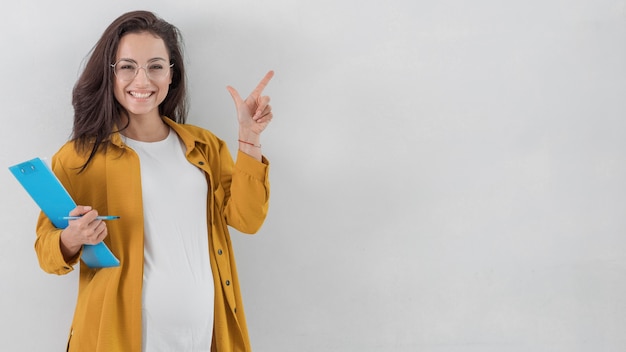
pixel 103 217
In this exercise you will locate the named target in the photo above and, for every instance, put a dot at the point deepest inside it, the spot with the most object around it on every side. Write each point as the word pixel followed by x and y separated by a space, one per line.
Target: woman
pixel 175 187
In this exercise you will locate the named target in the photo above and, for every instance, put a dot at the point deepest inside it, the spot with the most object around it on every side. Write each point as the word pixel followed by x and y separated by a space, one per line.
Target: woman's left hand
pixel 254 113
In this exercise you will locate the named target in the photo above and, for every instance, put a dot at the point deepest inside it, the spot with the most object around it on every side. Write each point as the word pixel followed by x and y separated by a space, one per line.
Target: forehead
pixel 141 47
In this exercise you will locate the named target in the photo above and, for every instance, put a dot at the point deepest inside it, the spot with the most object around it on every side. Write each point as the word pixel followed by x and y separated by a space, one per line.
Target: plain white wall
pixel 446 175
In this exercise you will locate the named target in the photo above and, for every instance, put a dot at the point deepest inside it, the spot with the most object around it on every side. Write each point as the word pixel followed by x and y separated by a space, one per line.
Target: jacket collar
pixel 188 138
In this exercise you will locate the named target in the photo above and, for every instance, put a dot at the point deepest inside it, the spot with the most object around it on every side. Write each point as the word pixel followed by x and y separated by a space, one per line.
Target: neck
pixel 146 129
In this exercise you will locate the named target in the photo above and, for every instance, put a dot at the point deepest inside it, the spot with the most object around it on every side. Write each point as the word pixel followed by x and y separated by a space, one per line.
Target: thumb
pixel 80 210
pixel 235 95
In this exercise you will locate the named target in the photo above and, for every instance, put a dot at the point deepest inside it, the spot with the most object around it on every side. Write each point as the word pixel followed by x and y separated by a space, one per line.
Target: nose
pixel 142 78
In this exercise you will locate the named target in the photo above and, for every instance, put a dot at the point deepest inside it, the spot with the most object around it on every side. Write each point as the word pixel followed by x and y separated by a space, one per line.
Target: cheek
pixel 163 92
pixel 118 91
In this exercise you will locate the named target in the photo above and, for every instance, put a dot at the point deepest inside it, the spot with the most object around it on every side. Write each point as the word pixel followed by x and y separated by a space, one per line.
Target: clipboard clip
pixel 27 168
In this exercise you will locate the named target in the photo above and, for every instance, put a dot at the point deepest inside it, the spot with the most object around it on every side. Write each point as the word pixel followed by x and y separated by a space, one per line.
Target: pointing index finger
pixel 259 88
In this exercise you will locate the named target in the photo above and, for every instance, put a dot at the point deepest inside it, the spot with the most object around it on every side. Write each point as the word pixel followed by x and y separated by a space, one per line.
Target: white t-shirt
pixel 178 288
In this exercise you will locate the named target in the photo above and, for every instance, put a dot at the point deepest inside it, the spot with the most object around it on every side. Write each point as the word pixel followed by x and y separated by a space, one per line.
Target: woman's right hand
pixel 86 230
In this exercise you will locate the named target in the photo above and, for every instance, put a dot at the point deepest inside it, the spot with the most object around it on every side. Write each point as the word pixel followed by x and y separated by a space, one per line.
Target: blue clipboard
pixel 47 191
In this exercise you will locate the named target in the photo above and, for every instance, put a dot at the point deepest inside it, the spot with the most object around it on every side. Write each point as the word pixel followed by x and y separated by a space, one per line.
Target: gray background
pixel 446 175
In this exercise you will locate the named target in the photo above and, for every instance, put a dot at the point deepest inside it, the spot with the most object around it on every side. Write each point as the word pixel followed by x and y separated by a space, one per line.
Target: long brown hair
pixel 97 114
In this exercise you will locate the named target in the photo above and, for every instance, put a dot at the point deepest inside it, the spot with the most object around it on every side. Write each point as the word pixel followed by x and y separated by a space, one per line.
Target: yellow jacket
pixel 108 309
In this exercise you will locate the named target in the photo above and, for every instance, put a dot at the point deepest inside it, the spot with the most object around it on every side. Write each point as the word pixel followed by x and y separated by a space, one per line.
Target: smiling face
pixel 142 94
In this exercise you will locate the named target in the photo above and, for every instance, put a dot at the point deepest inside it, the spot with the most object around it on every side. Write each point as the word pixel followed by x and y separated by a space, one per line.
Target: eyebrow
pixel 150 60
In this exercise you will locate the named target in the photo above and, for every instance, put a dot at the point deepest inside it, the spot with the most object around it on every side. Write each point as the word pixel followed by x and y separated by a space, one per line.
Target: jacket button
pixel 227 282
pixel 219 251
pixel 200 162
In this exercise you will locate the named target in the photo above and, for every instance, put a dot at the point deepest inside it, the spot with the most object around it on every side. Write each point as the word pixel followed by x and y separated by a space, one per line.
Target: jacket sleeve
pixel 47 244
pixel 247 191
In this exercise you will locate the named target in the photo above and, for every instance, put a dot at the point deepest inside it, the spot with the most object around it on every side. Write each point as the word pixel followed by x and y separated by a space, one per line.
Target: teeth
pixel 140 95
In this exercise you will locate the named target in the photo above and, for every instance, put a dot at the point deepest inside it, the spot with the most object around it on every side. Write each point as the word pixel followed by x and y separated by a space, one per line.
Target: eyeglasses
pixel 127 70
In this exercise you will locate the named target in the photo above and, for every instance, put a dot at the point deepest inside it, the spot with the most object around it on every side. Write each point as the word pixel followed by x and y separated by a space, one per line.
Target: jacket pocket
pixel 218 196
